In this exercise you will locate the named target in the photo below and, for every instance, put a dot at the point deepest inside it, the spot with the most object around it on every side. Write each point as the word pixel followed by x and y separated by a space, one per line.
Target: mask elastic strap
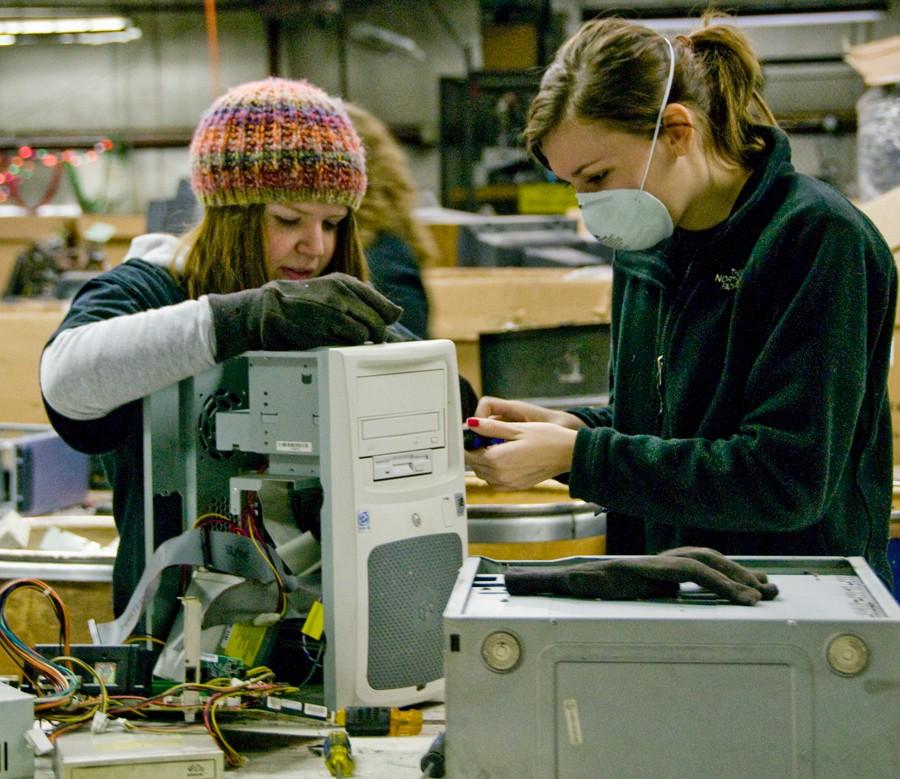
pixel 661 109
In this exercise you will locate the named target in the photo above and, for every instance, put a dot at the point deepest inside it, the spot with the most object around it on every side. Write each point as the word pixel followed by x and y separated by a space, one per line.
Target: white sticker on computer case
pixel 573 723
pixel 294 447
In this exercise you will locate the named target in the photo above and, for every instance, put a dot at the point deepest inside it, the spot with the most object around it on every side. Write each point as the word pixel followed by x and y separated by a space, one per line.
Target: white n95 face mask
pixel 625 219
pixel 630 219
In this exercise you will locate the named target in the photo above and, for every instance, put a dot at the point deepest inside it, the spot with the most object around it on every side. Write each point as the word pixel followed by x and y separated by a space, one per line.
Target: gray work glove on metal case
pixel 658 576
pixel 331 310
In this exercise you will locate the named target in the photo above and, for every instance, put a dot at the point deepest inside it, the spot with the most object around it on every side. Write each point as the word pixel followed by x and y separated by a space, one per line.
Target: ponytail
pixel 732 80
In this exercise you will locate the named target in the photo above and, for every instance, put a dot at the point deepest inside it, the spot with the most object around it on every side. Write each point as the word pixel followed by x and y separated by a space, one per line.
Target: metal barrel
pixel 536 531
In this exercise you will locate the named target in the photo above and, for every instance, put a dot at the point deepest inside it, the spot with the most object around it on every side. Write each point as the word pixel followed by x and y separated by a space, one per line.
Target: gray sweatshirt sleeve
pixel 90 370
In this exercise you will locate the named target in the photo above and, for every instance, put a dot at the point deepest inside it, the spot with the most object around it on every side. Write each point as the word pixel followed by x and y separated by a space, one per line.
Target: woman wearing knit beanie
pixel 275 263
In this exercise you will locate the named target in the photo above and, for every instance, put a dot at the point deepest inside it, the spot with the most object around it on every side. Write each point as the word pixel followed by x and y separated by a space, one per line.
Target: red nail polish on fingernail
pixel 472 422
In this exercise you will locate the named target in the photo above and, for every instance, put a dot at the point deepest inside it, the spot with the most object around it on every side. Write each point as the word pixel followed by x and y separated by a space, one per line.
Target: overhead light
pixel 770 20
pixel 384 40
pixel 99 38
pixel 62 25
pixel 47 28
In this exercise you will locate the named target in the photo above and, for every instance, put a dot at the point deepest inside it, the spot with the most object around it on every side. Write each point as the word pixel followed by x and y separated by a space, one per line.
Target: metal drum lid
pixel 494 523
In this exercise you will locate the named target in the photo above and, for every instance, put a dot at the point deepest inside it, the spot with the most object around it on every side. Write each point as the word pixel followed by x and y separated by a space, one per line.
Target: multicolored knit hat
pixel 277 140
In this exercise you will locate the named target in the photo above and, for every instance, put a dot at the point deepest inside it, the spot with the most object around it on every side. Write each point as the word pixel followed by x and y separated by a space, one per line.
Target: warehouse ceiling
pixel 10 7
pixel 135 6
pixel 282 7
pixel 803 62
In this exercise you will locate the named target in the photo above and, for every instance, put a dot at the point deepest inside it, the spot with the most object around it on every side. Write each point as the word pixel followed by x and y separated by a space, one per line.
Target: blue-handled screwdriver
pixel 473 441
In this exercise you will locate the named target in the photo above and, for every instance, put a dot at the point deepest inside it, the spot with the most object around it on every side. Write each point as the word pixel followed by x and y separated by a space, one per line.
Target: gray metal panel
pixel 678 688
pixel 828 86
pixel 605 694
pixel 185 475
pixel 180 451
pixel 17 712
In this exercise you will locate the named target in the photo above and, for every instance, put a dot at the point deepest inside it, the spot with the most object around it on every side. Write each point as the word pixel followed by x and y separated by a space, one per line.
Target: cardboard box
pixel 446 237
pixel 32 228
pixel 31 615
pixel 884 211
pixel 127 226
pixel 465 302
pixel 878 62
pixel 26 326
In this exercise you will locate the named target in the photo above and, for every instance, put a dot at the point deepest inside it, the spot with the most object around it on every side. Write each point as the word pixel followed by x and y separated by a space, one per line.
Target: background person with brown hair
pixel 397 244
pixel 752 313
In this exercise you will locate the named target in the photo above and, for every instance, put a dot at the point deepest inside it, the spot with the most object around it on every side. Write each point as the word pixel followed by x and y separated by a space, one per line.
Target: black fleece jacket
pixel 749 371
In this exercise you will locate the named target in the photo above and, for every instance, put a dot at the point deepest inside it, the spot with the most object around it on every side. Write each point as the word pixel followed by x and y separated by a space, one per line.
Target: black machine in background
pixel 126 669
pixel 527 242
pixel 479 112
pixel 174 215
pixel 60 264
pixel 555 367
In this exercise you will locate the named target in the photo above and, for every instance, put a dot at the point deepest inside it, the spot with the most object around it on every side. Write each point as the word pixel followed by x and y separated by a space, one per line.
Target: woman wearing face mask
pixel 275 263
pixel 753 309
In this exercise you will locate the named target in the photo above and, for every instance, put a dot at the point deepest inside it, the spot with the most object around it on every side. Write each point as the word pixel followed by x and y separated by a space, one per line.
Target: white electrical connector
pixel 100 722
pixel 190 700
pixel 266 618
pixel 40 744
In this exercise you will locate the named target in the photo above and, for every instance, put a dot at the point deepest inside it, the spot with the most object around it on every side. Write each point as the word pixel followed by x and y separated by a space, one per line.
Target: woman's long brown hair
pixel 227 251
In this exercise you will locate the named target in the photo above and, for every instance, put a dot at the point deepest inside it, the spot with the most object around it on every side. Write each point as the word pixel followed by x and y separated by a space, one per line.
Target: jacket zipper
pixel 663 342
pixel 660 368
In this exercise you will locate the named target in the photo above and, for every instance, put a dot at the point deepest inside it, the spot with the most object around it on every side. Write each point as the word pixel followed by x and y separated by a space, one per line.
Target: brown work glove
pixel 658 576
pixel 332 310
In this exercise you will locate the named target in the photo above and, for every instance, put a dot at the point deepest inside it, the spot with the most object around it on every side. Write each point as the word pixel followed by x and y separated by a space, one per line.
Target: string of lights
pixel 27 160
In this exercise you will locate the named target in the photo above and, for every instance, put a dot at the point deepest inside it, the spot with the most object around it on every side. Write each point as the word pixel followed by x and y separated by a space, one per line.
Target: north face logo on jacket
pixel 729 281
